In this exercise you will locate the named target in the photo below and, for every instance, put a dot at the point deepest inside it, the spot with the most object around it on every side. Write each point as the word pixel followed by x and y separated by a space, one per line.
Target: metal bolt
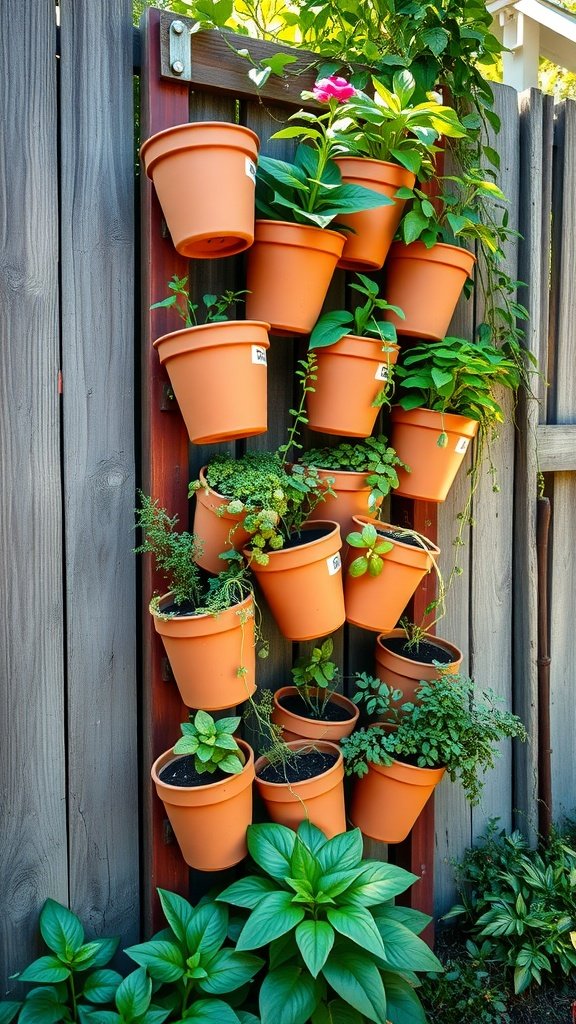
pixel 177 27
pixel 177 67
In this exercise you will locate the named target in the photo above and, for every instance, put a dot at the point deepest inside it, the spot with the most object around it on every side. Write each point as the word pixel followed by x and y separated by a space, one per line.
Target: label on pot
pixel 462 445
pixel 259 355
pixel 382 372
pixel 334 564
pixel 250 169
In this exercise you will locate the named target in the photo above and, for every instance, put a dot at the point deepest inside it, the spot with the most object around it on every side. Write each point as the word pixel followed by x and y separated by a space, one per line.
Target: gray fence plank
pixel 98 367
pixel 33 855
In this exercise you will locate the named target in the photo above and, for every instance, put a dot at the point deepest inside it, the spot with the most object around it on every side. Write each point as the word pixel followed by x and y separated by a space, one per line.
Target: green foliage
pixel 371 455
pixel 471 990
pixel 133 1001
pixel 522 903
pixel 190 964
pixel 216 306
pixel 453 726
pixel 71 979
pixel 376 698
pixel 337 951
pixel 212 744
pixel 371 540
pixel 174 554
pixel 458 212
pixel 316 671
pixel 333 326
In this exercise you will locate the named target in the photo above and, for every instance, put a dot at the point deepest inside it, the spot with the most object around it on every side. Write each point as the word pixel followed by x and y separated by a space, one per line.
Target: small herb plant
pixel 374 546
pixel 212 744
pixel 453 726
pixel 372 456
pixel 521 903
pixel 216 306
pixel 456 214
pixel 336 949
pixel 375 698
pixel 334 326
pixel 472 989
pixel 316 671
pixel 133 1002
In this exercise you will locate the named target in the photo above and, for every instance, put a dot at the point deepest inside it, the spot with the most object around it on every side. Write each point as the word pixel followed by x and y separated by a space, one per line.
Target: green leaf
pixel 207 928
pixel 304 865
pixel 8 1011
pixel 210 1011
pixel 42 1006
pixel 259 76
pixel 330 328
pixel 47 970
pixel 359 566
pixel 61 930
pixel 106 950
pixel 177 912
pixel 102 1017
pixel 343 851
pixel 134 994
pixel 100 986
pixel 403 949
pixel 271 846
pixel 164 960
pixel 356 979
pixel 415 920
pixel 278 61
pixel 436 39
pixel 247 892
pixel 315 940
pixel 228 970
pixel 404 1006
pixel 358 925
pixel 274 916
pixel 288 995
pixel 378 883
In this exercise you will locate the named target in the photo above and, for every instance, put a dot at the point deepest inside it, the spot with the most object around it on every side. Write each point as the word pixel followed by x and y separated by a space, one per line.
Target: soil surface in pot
pixel 425 652
pixel 183 773
pixel 186 608
pixel 405 538
pixel 331 712
pixel 306 537
pixel 299 768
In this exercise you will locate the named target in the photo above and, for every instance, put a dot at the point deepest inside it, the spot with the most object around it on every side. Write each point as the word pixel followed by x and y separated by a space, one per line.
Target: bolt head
pixel 177 67
pixel 177 27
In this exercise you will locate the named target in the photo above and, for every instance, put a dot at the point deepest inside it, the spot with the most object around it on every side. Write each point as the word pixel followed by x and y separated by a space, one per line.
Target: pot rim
pixel 204 617
pixel 211 787
pixel 190 127
pixel 324 745
pixel 337 698
pixel 351 341
pixel 398 170
pixel 446 645
pixel 430 549
pixel 432 419
pixel 285 555
pixel 329 233
pixel 197 330
pixel 443 252
pixel 410 774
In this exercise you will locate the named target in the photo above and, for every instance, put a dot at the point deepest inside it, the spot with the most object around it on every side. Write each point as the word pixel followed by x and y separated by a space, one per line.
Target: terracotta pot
pixel 377 602
pixel 387 801
pixel 289 270
pixel 303 584
pixel 205 653
pixel 204 174
pixel 351 499
pixel 426 284
pixel 219 377
pixel 210 821
pixel 374 229
pixel 298 727
pixel 405 674
pixel 433 469
pixel 350 374
pixel 217 532
pixel 320 800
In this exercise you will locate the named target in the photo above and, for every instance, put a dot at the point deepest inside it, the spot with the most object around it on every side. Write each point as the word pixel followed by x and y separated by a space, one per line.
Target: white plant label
pixel 334 564
pixel 259 355
pixel 250 169
pixel 462 445
pixel 382 372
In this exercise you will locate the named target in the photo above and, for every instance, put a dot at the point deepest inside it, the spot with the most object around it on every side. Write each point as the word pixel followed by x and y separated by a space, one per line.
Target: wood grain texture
pixel 98 368
pixel 33 850
pixel 556 446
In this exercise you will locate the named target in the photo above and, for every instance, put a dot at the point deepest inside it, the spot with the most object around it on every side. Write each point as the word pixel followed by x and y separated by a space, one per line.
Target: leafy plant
pixel 212 744
pixel 216 306
pixel 453 726
pixel 133 1001
pixel 333 326
pixel 316 670
pixel 71 978
pixel 374 545
pixel 371 455
pixel 376 698
pixel 337 949
pixel 456 213
pixel 191 965
pixel 521 903
pixel 471 990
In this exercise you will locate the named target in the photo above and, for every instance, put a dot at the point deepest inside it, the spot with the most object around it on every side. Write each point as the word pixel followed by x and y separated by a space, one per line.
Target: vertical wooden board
pixel 97 262
pixel 33 854
pixel 492 535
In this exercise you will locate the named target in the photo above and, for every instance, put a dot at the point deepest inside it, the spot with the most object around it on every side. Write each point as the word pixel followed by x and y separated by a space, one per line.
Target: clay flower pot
pixel 302 584
pixel 204 174
pixel 426 284
pixel 300 727
pixel 205 653
pixel 218 533
pixel 367 248
pixel 289 270
pixel 387 801
pixel 319 800
pixel 351 494
pixel 404 672
pixel 210 821
pixel 377 602
pixel 349 376
pixel 219 376
pixel 415 436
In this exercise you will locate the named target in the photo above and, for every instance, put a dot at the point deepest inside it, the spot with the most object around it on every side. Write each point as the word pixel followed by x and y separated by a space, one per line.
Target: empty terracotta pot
pixel 218 533
pixel 204 174
pixel 406 673
pixel 349 376
pixel 387 801
pixel 351 494
pixel 374 230
pixel 299 727
pixel 426 284
pixel 433 468
pixel 319 800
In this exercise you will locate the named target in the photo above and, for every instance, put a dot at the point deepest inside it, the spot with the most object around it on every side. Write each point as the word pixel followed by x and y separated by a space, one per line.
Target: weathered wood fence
pixel 71 696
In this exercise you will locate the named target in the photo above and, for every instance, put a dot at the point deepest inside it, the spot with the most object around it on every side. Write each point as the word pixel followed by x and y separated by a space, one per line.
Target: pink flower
pixel 333 88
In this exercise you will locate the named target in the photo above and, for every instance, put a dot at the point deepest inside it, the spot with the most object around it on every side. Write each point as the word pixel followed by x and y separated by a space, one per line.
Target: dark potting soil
pixel 306 537
pixel 404 538
pixel 181 772
pixel 186 608
pixel 299 768
pixel 425 652
pixel 331 712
